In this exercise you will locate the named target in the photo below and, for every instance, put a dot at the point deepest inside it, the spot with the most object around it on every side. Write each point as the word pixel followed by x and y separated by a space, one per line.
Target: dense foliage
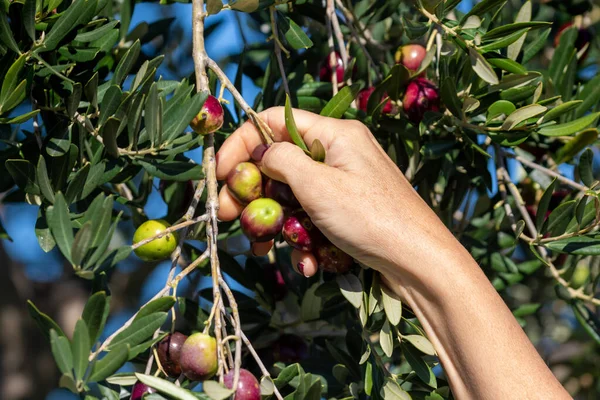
pixel 499 149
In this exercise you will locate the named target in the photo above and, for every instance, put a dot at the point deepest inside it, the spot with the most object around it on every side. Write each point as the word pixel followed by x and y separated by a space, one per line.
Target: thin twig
pixel 351 18
pixel 278 47
pixel 547 171
pixel 575 293
pixel 264 129
pixel 360 43
pixel 170 229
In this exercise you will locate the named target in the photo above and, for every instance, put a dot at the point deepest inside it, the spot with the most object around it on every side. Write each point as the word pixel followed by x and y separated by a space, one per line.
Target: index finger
pixel 239 146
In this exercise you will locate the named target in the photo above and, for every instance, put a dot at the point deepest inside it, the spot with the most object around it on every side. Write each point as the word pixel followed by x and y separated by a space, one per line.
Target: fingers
pixel 239 146
pixel 260 249
pixel 304 263
pixel 287 163
pixel 229 208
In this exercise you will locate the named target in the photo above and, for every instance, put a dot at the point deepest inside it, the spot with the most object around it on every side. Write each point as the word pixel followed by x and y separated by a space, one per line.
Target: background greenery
pixel 94 107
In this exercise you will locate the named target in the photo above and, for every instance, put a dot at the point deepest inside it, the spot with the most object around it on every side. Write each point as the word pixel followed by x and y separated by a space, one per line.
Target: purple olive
pixel 244 182
pixel 262 220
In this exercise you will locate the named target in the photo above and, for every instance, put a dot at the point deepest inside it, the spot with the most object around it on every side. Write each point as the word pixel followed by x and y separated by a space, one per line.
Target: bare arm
pixel 361 201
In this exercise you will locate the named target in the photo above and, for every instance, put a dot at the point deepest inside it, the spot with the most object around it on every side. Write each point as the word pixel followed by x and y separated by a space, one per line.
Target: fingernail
pixel 259 151
pixel 300 266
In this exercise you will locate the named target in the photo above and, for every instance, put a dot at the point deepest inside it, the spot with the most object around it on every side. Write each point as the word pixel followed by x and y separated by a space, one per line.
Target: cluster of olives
pixel 420 95
pixel 271 208
pixel 195 357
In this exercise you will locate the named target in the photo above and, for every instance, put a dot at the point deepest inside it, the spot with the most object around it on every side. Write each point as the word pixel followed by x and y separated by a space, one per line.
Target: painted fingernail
pixel 300 266
pixel 259 151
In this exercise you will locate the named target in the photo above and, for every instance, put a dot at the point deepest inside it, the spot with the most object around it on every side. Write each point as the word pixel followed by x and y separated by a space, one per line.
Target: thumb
pixel 287 163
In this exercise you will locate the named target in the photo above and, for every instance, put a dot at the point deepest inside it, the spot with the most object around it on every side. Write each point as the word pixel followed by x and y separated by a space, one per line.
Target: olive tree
pixel 481 109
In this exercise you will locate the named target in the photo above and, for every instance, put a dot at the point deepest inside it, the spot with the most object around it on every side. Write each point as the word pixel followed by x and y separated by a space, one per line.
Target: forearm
pixel 484 351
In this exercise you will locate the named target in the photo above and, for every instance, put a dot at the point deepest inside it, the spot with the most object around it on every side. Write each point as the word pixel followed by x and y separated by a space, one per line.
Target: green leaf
pixel 171 170
pixel 386 339
pixel 216 391
pixel 526 309
pixel 3 233
pixel 110 131
pixel 590 94
pixel 508 65
pixel 337 106
pixel 97 33
pixel 570 128
pixel 59 222
pixel 535 46
pixel 420 367
pixel 19 119
pixel 29 17
pixel 522 114
pixel 213 6
pixel 166 387
pixel 294 34
pixel 561 109
pixel 110 103
pixel 81 244
pixel 392 391
pixel 44 322
pixel 163 304
pixel 500 108
pixel 483 7
pixel 61 350
pixel 391 305
pixel 80 347
pixel 585 168
pixel 587 319
pixel 505 30
pixel 43 181
pixel 497 44
pixel 544 204
pixel 73 100
pixel 12 78
pixel 108 365
pixel 290 124
pixel 6 34
pixel 287 374
pixel 563 54
pixel 559 218
pixel 574 146
pixel 482 67
pixel 421 343
pixel 177 119
pixel 65 23
pixel 153 115
pixel 311 304
pixel 126 63
pixel 95 314
pixel 581 245
pixel 351 288
pixel 524 15
pixel 139 330
pixel 450 98
pixel 15 97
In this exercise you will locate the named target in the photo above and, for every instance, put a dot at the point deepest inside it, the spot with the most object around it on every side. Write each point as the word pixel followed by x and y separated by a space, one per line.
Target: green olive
pixel 158 249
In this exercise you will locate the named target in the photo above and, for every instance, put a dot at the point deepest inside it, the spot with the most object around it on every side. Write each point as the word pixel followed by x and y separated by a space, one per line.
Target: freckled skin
pixel 262 220
pixel 281 193
pixel 199 357
pixel 244 182
pixel 169 352
pixel 299 232
pixel 139 390
pixel 158 249
pixel 331 259
pixel 210 118
pixel 248 387
pixel 410 56
pixel 421 95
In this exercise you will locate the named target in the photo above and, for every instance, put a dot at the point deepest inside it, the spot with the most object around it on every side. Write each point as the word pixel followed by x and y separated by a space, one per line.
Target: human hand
pixel 358 198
